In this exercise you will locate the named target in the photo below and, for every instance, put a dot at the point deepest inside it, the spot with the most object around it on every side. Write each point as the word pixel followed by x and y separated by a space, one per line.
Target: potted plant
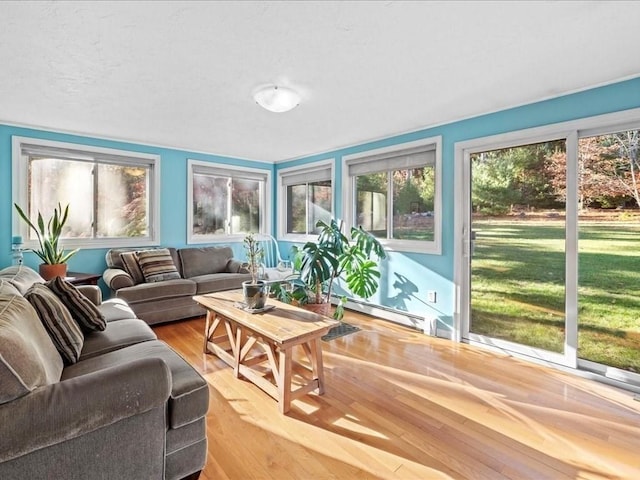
pixel 319 264
pixel 255 291
pixel 54 257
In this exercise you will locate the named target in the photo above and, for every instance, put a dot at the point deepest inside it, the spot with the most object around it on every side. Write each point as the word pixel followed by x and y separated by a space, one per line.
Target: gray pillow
pixel 28 358
pixel 22 277
pixel 61 327
pixel 205 260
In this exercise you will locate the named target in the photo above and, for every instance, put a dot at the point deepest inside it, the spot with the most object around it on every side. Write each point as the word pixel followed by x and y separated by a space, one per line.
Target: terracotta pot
pixel 48 271
pixel 319 308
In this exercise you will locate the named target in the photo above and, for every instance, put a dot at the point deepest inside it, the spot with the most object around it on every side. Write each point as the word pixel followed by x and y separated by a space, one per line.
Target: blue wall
pixel 415 273
pixel 173 192
pixel 418 273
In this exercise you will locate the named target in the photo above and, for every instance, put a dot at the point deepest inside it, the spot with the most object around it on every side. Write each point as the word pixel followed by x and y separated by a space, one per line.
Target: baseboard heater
pixel 397 316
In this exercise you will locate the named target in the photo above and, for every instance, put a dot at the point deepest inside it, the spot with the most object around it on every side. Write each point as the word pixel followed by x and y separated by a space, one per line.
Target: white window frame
pixel 21 191
pixel 349 187
pixel 231 171
pixel 282 190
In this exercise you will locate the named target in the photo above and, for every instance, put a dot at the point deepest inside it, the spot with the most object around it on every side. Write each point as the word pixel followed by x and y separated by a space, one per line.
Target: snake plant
pixel 50 251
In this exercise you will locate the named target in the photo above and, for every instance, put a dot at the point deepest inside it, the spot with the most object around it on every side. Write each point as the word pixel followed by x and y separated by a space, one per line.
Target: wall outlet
pixel 431 296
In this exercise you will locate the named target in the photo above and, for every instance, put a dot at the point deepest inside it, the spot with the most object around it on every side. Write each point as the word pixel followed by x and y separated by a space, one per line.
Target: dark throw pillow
pixel 132 267
pixel 61 327
pixel 157 265
pixel 81 308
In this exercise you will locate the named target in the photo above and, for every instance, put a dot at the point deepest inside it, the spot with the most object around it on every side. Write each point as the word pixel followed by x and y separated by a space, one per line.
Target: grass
pixel 518 274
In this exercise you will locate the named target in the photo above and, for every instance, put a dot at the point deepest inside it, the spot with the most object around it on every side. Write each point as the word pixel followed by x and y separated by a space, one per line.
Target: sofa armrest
pixel 235 266
pixel 116 278
pixel 92 292
pixel 77 406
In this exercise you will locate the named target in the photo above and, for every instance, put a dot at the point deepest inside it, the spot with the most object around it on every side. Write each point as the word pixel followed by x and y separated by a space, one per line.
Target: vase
pixel 49 271
pixel 319 308
pixel 255 294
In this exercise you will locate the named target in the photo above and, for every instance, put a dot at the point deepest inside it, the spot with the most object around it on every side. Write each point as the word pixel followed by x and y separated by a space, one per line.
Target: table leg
pixel 316 362
pixel 284 383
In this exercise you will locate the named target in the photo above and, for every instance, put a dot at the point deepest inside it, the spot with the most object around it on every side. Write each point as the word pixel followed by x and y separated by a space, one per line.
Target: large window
pixel 226 201
pixel 394 193
pixel 307 196
pixel 111 193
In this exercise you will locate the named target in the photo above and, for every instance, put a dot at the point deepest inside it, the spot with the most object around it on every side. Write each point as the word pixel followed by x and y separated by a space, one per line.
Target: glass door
pixel 517 260
pixel 609 254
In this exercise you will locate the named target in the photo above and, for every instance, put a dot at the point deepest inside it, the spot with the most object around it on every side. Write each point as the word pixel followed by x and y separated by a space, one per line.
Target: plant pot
pixel 255 294
pixel 49 271
pixel 319 308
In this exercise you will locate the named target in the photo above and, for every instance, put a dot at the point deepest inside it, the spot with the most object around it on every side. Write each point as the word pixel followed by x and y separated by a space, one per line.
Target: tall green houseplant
pixel 49 233
pixel 319 264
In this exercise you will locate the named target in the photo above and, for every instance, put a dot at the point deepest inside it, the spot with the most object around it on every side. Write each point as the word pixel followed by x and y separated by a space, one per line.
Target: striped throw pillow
pixel 132 267
pixel 61 327
pixel 157 265
pixel 81 308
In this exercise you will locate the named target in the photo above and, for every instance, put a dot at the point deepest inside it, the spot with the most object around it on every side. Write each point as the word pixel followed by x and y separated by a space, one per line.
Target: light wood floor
pixel 402 405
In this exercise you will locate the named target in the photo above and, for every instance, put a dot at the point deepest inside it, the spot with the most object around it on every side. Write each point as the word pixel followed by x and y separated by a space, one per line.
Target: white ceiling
pixel 181 73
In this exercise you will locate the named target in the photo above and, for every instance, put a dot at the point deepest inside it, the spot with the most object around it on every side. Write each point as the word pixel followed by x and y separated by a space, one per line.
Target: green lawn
pixel 518 272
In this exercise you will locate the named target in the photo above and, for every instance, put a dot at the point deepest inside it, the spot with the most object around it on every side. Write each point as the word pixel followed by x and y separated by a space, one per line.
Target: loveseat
pixel 124 406
pixel 159 284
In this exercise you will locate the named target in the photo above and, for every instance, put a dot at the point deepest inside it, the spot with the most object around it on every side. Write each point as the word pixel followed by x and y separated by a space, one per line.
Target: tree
pixel 608 170
pixel 514 176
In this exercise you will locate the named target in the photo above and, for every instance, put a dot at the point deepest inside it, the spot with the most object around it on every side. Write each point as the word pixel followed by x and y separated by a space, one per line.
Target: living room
pixel 164 85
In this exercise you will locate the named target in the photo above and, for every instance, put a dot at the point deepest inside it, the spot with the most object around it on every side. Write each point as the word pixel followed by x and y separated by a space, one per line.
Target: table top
pixel 282 324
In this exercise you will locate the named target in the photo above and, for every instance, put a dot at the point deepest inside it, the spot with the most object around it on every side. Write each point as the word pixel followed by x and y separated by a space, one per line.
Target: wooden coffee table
pixel 260 346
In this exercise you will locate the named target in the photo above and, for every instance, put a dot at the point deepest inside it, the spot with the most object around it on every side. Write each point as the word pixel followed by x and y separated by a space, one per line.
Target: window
pixel 307 196
pixel 226 201
pixel 112 194
pixel 394 193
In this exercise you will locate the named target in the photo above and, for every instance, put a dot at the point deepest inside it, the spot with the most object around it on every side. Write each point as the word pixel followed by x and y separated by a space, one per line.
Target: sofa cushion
pixel 157 265
pixel 189 392
pixel 116 309
pixel 201 261
pixel 219 281
pixel 21 277
pixel 62 328
pixel 117 335
pixel 84 311
pixel 7 288
pixel 153 291
pixel 28 358
pixel 131 266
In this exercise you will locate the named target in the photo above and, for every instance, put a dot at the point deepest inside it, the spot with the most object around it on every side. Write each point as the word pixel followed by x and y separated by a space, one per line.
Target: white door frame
pixel 570 131
pixel 463 246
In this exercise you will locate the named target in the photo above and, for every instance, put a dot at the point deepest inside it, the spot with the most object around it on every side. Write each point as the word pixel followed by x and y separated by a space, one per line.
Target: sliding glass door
pixel 517 263
pixel 550 256
pixel 609 253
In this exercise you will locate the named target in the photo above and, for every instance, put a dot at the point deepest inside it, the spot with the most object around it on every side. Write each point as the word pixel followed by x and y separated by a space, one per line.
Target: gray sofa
pixel 129 407
pixel 201 270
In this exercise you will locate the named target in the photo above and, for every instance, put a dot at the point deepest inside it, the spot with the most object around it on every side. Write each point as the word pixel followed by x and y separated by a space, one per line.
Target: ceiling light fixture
pixel 277 99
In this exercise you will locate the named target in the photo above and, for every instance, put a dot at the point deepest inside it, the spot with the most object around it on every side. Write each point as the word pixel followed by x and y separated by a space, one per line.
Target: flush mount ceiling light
pixel 277 99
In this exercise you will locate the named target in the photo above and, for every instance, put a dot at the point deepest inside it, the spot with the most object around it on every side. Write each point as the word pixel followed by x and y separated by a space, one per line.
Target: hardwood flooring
pixel 402 405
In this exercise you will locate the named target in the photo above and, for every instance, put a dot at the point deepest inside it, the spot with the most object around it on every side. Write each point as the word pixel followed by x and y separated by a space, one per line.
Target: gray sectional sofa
pixel 199 271
pixel 128 407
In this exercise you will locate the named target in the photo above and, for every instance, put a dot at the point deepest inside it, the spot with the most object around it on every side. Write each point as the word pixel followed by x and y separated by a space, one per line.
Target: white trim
pixel 282 198
pixel 265 197
pixel 20 193
pixel 348 204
